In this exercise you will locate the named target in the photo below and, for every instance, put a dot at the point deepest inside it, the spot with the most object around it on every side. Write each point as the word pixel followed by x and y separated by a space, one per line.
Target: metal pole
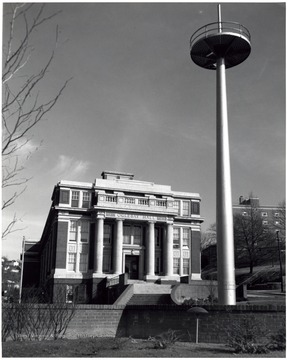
pixel 224 217
pixel 196 331
pixel 280 260
pixel 219 18
pixel 22 270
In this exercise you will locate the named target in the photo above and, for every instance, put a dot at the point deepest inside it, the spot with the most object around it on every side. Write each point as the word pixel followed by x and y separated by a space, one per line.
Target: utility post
pixel 280 260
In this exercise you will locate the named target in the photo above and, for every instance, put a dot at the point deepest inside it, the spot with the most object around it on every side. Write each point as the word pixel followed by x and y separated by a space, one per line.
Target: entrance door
pixel 132 266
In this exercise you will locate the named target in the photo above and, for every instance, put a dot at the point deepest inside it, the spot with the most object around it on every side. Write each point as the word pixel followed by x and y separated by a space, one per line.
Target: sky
pixel 137 103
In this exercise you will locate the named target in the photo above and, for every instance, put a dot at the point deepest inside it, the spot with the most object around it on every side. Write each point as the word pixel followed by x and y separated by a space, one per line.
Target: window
pixel 84 259
pixel 137 235
pixel 132 234
pixel 176 205
pixel 185 265
pixel 73 230
pixel 185 237
pixel 185 208
pixel 69 293
pixel 244 213
pixel 106 263
pixel 276 222
pixel 265 222
pixel 107 234
pixel 264 214
pixel 86 199
pixel 176 265
pixel 276 214
pixel 127 234
pixel 64 196
pixel 84 231
pixel 157 237
pixel 175 237
pixel 75 198
pixel 77 257
pixel 72 261
pixel 195 209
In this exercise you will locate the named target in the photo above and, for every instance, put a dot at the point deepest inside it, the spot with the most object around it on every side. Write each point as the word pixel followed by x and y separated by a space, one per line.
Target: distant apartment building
pixel 116 225
pixel 272 218
pixel 271 215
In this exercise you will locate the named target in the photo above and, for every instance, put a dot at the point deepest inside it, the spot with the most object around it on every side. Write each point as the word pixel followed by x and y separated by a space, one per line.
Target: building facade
pixel 117 225
pixel 273 217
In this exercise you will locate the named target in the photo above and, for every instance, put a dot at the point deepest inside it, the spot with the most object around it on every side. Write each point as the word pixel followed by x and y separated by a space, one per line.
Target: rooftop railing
pixel 223 27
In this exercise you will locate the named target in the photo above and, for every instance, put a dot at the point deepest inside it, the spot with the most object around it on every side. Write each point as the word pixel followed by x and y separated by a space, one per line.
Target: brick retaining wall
pixel 143 321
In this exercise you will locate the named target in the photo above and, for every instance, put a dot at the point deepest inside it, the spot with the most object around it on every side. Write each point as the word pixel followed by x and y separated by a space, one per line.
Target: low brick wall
pixel 143 321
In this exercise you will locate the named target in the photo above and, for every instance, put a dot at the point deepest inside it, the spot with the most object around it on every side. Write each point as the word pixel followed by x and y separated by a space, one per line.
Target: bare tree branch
pixel 22 106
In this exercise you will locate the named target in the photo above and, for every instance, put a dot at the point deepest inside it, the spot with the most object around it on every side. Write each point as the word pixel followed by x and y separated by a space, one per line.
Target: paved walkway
pixel 265 297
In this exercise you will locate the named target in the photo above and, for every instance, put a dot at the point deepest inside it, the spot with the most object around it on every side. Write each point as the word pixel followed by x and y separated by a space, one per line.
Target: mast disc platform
pixel 229 40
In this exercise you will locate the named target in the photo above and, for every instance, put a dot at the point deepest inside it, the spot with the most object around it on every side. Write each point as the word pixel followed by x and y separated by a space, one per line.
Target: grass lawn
pixel 119 347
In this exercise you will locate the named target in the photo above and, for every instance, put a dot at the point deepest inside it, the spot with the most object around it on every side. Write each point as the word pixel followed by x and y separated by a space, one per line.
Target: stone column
pixel 99 245
pixel 118 248
pixel 168 251
pixel 150 250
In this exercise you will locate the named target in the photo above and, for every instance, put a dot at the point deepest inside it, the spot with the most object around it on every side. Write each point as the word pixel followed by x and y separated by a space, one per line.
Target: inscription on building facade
pixel 136 216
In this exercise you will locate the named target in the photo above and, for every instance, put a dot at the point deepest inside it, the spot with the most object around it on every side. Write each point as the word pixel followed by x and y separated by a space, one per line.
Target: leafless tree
pixel 209 237
pixel 22 106
pixel 281 218
pixel 251 237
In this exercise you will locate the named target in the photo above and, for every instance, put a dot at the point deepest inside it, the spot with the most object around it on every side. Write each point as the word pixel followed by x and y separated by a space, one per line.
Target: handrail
pixel 225 26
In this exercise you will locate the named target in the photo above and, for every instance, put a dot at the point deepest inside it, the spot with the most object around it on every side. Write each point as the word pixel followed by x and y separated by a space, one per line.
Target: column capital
pixel 169 222
pixel 151 221
pixel 100 216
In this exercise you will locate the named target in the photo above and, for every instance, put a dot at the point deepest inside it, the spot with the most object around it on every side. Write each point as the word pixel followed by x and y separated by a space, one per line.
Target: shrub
pixel 167 339
pixel 278 340
pixel 243 336
pixel 30 320
pixel 210 300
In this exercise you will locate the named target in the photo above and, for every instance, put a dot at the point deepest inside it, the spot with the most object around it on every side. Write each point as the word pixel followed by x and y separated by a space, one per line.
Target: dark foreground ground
pixel 120 347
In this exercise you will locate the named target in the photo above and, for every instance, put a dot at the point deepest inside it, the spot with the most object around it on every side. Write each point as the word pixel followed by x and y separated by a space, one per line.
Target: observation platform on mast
pixel 222 39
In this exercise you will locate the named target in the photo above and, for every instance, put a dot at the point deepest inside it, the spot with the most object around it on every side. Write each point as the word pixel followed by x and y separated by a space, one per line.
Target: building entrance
pixel 132 266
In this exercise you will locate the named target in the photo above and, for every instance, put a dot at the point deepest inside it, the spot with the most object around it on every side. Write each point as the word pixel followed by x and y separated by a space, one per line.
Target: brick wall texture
pixel 151 320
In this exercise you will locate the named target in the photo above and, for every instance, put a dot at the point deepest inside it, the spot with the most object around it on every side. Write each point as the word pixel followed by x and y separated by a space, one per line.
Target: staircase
pixel 141 293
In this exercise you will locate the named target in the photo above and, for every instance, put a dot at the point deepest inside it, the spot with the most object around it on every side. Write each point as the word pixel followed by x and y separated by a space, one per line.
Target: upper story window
pixel 185 208
pixel 195 208
pixel 107 234
pixel 176 236
pixel 176 205
pixel 137 235
pixel 185 237
pixel 86 199
pixel 73 230
pixel 75 198
pixel 265 222
pixel 132 234
pixel 157 236
pixel 84 231
pixel 264 214
pixel 276 214
pixel 244 213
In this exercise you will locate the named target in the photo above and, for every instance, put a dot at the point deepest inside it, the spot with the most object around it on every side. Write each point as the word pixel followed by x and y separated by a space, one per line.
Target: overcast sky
pixel 137 103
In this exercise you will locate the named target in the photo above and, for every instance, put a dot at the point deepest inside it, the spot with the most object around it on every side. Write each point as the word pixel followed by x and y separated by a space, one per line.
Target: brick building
pixel 117 225
pixel 272 216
